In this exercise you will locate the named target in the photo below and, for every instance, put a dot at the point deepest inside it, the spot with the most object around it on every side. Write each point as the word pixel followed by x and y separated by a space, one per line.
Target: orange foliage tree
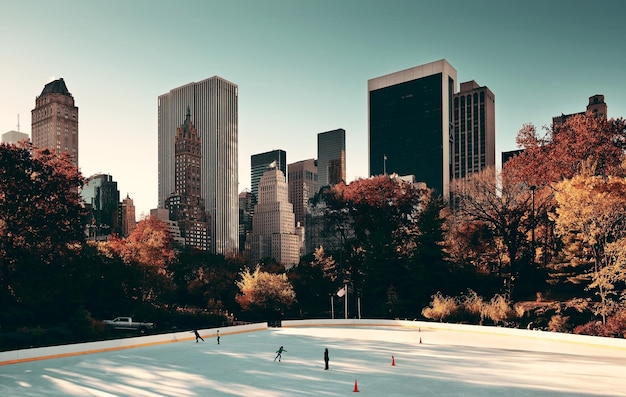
pixel 593 210
pixel 150 244
pixel 560 153
pixel 266 293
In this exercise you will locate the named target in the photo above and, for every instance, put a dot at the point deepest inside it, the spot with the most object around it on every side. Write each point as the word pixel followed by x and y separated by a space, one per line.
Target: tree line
pixel 538 244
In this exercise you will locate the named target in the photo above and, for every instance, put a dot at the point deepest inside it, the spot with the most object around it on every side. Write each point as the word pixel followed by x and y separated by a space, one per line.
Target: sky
pixel 301 67
pixel 446 364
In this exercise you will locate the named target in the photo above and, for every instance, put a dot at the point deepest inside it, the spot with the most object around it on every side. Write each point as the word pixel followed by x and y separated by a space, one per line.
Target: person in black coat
pixel 326 358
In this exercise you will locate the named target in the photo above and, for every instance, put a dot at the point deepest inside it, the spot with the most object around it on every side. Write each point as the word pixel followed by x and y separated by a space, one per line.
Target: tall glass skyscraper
pixel 214 107
pixel 411 124
pixel 331 157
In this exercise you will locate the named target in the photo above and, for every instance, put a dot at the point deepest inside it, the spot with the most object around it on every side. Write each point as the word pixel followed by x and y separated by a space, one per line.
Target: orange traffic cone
pixel 356 386
pixel 393 362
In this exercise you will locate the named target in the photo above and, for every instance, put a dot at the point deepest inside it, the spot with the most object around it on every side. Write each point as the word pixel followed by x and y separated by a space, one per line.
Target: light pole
pixel 532 219
pixel 384 164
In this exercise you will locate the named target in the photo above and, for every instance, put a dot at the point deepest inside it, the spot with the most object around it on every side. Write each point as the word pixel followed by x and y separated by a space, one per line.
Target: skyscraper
pixel 596 107
pixel 302 181
pixel 55 120
pixel 186 205
pixel 102 199
pixel 331 158
pixel 214 105
pixel 129 221
pixel 411 124
pixel 246 208
pixel 14 137
pixel 273 230
pixel 474 145
pixel 259 163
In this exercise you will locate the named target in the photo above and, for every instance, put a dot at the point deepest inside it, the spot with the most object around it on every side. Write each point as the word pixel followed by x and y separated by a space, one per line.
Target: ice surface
pixel 446 363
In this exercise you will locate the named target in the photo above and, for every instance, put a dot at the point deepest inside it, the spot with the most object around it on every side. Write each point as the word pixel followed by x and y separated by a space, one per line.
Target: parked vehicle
pixel 127 323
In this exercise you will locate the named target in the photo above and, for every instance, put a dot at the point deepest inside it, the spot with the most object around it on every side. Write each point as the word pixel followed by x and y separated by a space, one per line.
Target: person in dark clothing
pixel 326 358
pixel 218 336
pixel 279 353
pixel 195 332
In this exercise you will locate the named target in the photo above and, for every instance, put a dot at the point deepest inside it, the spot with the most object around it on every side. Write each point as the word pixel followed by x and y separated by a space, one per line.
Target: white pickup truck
pixel 127 323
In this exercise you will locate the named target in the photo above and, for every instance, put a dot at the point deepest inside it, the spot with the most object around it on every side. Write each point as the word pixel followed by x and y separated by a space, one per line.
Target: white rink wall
pixel 543 335
pixel 43 353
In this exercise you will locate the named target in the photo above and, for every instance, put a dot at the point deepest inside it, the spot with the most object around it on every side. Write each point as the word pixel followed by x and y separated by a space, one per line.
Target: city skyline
pixel 301 68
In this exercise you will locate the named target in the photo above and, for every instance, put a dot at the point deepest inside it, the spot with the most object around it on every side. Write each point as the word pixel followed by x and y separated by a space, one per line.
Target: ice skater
pixel 218 336
pixel 279 353
pixel 195 332
pixel 326 359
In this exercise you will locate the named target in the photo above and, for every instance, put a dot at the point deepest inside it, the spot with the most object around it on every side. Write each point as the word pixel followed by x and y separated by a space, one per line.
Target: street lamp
pixel 384 164
pixel 532 219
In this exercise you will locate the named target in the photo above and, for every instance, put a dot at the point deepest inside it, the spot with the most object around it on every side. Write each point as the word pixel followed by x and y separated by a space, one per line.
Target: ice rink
pixel 445 363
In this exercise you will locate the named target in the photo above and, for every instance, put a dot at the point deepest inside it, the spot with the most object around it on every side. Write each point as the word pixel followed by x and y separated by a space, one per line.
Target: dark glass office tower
pixel 411 125
pixel 331 157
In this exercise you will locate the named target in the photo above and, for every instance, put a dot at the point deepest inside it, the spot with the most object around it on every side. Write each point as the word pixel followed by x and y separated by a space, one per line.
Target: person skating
pixel 279 353
pixel 326 358
pixel 195 332
pixel 218 336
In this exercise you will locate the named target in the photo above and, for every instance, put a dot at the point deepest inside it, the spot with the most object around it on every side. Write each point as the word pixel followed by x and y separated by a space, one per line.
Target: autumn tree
pixel 40 224
pixel 559 153
pixel 264 294
pixel 386 256
pixel 592 209
pixel 506 209
pixel 149 247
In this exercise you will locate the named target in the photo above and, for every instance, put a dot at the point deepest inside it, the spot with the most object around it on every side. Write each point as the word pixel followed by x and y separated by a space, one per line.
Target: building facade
pixel 102 199
pixel 302 182
pixel 163 215
pixel 596 107
pixel 14 137
pixel 246 209
pixel 474 144
pixel 186 205
pixel 410 124
pixel 55 120
pixel 273 227
pixel 129 220
pixel 214 105
pixel 331 158
pixel 259 163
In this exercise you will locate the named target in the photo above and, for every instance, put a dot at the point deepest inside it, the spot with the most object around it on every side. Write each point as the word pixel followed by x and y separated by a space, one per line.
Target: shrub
pixel 440 307
pixel 558 323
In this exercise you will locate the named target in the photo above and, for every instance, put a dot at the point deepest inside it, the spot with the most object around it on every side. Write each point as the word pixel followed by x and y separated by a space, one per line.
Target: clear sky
pixel 301 67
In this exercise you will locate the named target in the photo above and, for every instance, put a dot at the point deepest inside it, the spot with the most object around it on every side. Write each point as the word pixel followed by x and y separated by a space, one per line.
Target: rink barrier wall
pixel 45 353
pixel 483 329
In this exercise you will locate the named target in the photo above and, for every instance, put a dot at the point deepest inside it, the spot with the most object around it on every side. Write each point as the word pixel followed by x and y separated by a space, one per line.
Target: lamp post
pixel 384 164
pixel 532 219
